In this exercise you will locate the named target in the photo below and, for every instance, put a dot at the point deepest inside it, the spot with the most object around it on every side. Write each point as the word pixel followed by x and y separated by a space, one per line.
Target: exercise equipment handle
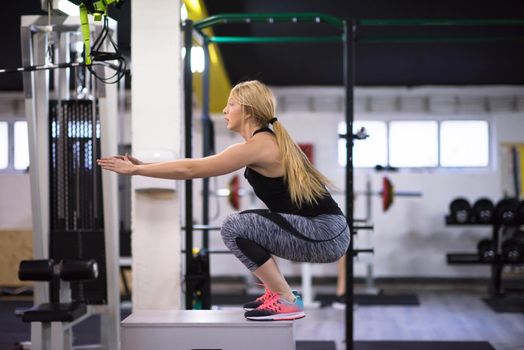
pixel 78 270
pixel 36 270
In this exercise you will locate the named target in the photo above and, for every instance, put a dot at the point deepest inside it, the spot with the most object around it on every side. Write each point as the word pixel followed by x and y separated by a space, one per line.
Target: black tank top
pixel 274 192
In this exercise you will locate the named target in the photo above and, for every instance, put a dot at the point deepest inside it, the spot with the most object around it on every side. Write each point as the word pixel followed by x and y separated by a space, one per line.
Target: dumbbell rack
pixel 498 263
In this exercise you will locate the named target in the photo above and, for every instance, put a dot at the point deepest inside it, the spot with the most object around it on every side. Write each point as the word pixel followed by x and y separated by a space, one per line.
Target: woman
pixel 303 223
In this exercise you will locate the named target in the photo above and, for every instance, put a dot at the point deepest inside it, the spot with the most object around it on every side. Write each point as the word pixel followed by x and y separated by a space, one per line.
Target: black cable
pixel 102 56
pixel 99 58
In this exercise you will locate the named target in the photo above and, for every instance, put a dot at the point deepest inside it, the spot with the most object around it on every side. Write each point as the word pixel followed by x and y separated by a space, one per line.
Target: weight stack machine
pixel 72 121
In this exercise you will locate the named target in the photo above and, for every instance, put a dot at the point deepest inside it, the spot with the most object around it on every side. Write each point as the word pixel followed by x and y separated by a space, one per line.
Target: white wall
pixel 411 238
pixel 15 189
pixel 15 202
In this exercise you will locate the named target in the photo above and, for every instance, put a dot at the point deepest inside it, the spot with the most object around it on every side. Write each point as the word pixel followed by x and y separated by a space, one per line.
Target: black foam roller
pixel 79 270
pixel 36 270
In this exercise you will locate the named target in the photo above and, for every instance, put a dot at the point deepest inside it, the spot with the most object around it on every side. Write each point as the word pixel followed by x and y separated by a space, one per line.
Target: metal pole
pixel 36 95
pixel 208 149
pixel 188 117
pixel 349 81
pixel 206 144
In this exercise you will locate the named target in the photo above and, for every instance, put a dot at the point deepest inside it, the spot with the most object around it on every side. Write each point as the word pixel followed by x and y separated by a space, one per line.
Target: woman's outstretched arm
pixel 232 158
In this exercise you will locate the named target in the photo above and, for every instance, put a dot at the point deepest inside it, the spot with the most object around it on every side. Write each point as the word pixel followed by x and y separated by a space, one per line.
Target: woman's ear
pixel 248 112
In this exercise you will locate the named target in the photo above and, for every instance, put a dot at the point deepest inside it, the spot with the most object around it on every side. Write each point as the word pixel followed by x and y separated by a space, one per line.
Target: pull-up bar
pixel 274 39
pixel 270 18
pixel 227 18
pixel 348 38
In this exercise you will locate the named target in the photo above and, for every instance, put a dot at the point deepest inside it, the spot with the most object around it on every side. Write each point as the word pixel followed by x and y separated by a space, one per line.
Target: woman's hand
pixel 132 159
pixel 125 165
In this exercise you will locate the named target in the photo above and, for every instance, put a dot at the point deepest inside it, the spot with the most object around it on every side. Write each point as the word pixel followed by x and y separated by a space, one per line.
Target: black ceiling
pixel 391 64
pixel 377 63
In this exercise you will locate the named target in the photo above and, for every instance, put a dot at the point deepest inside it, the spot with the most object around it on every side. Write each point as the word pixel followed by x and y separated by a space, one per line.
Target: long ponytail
pixel 306 184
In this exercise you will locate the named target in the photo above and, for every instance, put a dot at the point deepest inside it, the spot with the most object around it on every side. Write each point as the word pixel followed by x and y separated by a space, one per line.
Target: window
pixel 464 143
pixel 419 144
pixel 21 149
pixel 14 146
pixel 4 145
pixel 413 144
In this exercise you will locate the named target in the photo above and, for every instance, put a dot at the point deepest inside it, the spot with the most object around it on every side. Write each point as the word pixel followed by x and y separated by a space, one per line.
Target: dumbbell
pixel 506 211
pixel 482 211
pixel 512 250
pixel 460 210
pixel 487 250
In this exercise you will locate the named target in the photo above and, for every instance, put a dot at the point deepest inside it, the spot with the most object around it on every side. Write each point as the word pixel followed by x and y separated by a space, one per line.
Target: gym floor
pixel 446 312
pixel 442 316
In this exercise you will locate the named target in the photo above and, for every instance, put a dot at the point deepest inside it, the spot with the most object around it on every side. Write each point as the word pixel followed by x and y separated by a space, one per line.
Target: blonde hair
pixel 306 184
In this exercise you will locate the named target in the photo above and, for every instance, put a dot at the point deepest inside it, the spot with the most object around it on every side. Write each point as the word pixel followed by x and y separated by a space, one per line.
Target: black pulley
pixel 506 211
pixel 483 211
pixel 36 270
pixel 487 250
pixel 512 250
pixel 78 270
pixel 460 210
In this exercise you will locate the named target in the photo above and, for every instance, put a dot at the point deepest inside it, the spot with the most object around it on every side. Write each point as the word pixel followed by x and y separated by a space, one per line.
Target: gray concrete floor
pixel 450 311
pixel 441 316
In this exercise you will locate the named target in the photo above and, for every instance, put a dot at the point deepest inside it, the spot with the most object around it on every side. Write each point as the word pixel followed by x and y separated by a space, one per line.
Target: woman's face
pixel 233 114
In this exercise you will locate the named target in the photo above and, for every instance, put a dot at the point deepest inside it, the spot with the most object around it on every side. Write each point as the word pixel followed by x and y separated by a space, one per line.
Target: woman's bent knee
pixel 230 226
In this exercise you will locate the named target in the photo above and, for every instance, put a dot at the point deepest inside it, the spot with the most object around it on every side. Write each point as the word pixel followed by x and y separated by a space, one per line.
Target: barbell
pixel 388 193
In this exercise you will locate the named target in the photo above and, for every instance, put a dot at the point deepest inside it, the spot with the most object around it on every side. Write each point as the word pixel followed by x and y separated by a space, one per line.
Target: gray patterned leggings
pixel 320 239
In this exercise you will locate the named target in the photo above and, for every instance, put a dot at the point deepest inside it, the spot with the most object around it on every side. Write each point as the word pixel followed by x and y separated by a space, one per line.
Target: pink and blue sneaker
pixel 276 308
pixel 252 305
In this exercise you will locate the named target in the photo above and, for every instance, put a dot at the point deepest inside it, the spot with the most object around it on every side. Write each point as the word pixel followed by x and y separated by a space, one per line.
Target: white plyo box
pixel 203 329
